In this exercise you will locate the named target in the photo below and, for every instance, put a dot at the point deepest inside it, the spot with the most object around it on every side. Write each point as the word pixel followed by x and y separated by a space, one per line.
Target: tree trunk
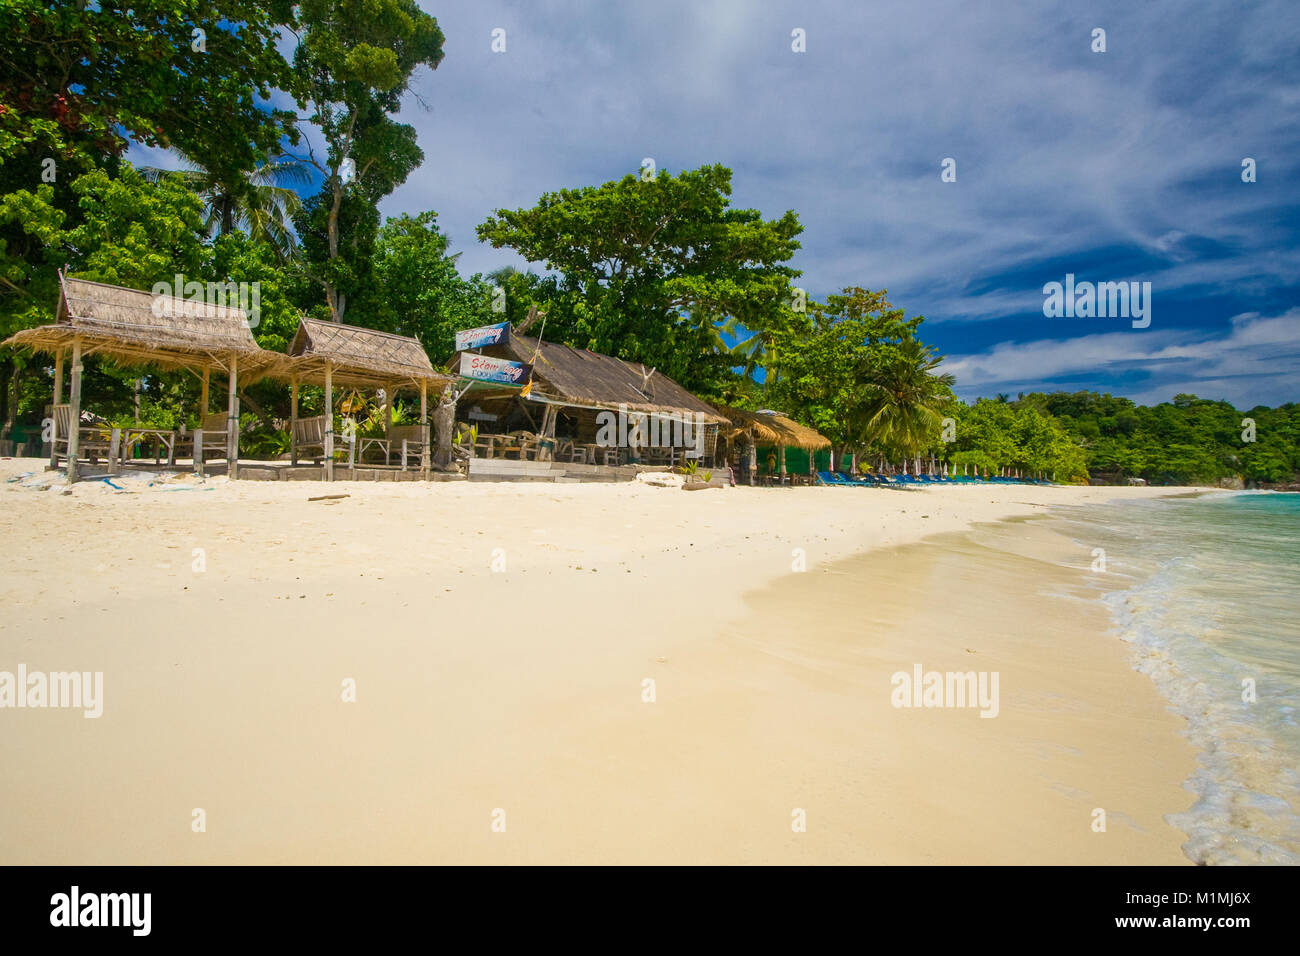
pixel 11 399
pixel 257 410
pixel 444 417
pixel 335 298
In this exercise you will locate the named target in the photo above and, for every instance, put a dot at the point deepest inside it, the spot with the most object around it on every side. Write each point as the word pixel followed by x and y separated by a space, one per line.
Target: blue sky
pixel 1115 166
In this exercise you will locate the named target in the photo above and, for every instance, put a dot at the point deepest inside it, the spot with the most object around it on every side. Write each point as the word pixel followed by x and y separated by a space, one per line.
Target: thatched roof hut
pixel 331 353
pixel 770 428
pixel 580 377
pixel 135 327
pixel 358 357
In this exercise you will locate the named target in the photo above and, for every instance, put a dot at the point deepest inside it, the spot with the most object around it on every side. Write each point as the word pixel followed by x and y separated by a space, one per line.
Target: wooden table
pixel 598 454
pixel 382 443
pixel 162 438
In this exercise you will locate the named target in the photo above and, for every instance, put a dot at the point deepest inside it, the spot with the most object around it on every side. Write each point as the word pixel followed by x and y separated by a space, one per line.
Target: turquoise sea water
pixel 1206 592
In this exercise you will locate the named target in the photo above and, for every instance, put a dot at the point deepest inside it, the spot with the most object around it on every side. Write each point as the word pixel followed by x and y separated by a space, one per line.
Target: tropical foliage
pixel 649 266
pixel 659 269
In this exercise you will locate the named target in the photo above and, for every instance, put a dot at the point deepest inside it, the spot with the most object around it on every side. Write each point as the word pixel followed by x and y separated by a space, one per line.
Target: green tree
pixel 133 233
pixel 819 362
pixel 256 202
pixel 353 62
pixel 905 400
pixel 418 290
pixel 78 81
pixel 649 267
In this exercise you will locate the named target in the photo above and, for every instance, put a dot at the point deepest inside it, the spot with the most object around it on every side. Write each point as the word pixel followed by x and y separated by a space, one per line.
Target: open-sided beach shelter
pixel 134 327
pixel 584 383
pixel 756 432
pixel 331 353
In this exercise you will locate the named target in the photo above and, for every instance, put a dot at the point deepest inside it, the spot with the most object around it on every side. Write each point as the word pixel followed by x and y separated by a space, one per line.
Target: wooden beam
pixel 74 418
pixel 203 393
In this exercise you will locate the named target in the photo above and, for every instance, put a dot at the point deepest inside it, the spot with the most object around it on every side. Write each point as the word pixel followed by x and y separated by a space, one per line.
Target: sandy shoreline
pixel 521 689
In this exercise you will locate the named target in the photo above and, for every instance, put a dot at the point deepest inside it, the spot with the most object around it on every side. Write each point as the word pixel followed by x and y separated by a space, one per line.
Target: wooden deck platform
pixel 480 469
pixel 504 469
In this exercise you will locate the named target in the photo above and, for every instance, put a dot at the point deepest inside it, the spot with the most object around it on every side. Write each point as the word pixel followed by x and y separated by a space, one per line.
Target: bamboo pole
pixel 74 417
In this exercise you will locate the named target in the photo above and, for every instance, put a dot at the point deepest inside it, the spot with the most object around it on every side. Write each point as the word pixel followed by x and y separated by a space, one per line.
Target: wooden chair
pixel 215 425
pixel 93 441
pixel 308 436
pixel 574 452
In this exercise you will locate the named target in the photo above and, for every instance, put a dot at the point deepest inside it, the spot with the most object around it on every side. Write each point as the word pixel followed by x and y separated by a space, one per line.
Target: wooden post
pixel 203 394
pixel 198 450
pixel 74 416
pixel 389 392
pixel 329 421
pixel 114 450
pixel 783 473
pixel 751 451
pixel 424 431
pixel 545 451
pixel 293 421
pixel 232 419
pixel 58 397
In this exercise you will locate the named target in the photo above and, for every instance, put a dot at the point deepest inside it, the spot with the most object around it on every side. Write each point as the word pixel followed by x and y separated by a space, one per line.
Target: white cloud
pixel 1256 362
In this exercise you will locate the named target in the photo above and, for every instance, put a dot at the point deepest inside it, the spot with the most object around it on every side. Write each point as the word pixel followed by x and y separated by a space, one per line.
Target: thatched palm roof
pixel 139 328
pixel 771 429
pixel 580 377
pixel 358 357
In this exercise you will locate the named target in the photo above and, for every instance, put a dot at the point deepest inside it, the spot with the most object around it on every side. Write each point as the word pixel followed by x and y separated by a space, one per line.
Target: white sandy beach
pixel 522 689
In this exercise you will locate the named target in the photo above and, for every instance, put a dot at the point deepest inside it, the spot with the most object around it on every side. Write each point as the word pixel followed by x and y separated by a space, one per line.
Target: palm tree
pixel 747 352
pixel 260 204
pixel 904 400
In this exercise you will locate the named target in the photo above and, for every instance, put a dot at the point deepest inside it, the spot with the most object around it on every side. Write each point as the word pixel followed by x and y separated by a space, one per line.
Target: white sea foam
pixel 1214 619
